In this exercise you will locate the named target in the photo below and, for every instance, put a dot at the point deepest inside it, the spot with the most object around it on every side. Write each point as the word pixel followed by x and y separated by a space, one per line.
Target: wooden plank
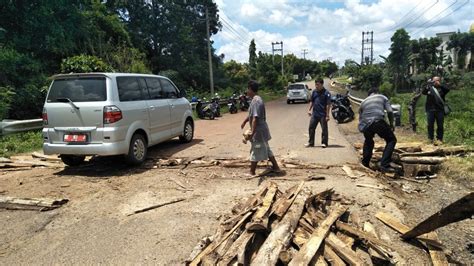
pixel 429 240
pixel 423 160
pixel 281 234
pixel 157 206
pixel 456 211
pixel 360 234
pixel 282 206
pixel 260 219
pixel 331 256
pixel 349 172
pixel 320 261
pixel 214 245
pixel 307 252
pixel 342 250
pixel 380 187
pixel 237 250
pixel 45 157
pixel 40 204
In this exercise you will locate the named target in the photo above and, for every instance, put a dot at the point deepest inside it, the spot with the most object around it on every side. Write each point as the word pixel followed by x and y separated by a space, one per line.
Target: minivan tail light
pixel 112 114
pixel 45 117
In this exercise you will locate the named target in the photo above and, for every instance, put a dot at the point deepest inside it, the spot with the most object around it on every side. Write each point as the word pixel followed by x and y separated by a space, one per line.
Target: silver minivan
pixel 113 114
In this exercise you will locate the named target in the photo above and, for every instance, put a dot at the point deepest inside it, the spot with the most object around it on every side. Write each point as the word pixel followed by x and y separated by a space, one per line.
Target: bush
pixel 6 94
pixel 368 76
pixel 387 89
pixel 128 60
pixel 20 143
pixel 84 64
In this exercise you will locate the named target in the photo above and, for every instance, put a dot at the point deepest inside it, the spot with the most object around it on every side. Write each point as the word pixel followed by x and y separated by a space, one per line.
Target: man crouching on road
pixel 371 122
pixel 260 134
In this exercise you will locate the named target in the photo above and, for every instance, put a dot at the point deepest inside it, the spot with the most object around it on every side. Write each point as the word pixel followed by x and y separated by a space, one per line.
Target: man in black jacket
pixel 435 108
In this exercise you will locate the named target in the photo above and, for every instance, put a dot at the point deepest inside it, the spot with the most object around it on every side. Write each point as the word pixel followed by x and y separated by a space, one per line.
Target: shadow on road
pixel 108 166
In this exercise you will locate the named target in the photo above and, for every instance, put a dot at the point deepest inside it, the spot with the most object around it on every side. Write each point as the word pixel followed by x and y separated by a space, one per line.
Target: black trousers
pixel 312 129
pixel 437 116
pixel 382 129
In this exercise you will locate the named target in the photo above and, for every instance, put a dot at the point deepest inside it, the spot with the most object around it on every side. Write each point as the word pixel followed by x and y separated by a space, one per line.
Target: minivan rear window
pixel 87 89
pixel 296 87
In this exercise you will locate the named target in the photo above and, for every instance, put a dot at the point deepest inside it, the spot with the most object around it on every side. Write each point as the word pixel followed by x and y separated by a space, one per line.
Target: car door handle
pixel 151 107
pixel 172 105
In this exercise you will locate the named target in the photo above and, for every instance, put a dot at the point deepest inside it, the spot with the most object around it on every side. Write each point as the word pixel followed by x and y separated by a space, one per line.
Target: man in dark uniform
pixel 319 110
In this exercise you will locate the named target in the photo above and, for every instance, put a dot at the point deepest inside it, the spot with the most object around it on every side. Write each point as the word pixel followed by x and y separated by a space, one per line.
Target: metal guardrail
pixel 16 126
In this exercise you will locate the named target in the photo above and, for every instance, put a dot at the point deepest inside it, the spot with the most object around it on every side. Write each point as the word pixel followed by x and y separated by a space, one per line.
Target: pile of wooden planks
pixel 16 163
pixel 416 158
pixel 292 227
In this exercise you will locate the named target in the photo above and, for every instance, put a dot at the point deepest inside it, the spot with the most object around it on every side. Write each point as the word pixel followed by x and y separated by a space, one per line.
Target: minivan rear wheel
pixel 188 132
pixel 137 151
pixel 72 160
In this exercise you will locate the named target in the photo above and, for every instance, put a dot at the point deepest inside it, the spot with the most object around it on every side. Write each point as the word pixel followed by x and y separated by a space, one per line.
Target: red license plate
pixel 75 138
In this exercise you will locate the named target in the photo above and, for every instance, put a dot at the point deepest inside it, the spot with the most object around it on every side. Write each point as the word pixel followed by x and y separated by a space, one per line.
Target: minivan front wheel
pixel 188 132
pixel 137 150
pixel 72 160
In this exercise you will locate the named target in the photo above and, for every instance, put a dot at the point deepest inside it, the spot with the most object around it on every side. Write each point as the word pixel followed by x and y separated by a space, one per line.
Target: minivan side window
pixel 128 89
pixel 169 91
pixel 154 88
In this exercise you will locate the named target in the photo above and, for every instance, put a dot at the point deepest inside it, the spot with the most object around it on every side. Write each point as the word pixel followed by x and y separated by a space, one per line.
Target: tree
pixel 328 68
pixel 237 73
pixel 252 58
pixel 398 58
pixel 462 43
pixel 368 76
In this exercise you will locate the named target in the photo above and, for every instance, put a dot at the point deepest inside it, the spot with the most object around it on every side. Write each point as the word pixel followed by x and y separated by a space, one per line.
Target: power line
pixel 422 30
pixel 401 21
pixel 438 14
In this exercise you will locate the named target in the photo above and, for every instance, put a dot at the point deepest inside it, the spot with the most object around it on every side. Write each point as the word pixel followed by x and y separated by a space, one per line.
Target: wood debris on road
pixel 157 206
pixel 293 227
pixel 37 204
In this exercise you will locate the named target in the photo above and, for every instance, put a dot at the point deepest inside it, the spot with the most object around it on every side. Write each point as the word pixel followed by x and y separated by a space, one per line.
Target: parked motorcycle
pixel 341 108
pixel 205 110
pixel 232 104
pixel 244 102
pixel 215 106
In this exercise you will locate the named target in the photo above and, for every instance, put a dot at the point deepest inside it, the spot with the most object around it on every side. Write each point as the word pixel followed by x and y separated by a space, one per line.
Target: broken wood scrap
pixel 341 249
pixel 331 256
pixel 210 248
pixel 430 241
pixel 380 187
pixel 38 204
pixel 280 207
pixel 365 237
pixel 455 212
pixel 43 157
pixel 260 219
pixel 307 252
pixel 280 236
pixel 156 206
pixel 443 151
pixel 350 173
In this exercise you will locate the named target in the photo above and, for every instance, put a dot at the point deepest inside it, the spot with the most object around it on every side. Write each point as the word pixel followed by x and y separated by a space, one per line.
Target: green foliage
pixel 424 52
pixel 84 64
pixel 328 68
pixel 368 76
pixel 6 94
pixel 387 89
pixel 398 59
pixel 176 78
pixel 20 143
pixel 463 42
pixel 252 59
pixel 238 73
pixel 128 60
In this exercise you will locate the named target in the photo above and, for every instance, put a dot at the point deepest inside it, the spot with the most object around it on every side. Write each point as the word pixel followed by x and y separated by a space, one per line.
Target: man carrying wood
pixel 371 122
pixel 260 134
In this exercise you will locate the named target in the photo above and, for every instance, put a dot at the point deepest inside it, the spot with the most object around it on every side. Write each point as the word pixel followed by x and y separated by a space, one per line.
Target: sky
pixel 332 29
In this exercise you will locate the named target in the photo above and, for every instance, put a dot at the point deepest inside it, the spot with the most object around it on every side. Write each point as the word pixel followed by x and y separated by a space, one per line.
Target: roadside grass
pixel 20 143
pixel 458 125
pixel 343 79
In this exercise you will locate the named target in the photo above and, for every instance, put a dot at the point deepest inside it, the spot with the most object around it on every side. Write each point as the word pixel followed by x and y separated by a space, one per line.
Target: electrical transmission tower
pixel 278 49
pixel 305 51
pixel 369 57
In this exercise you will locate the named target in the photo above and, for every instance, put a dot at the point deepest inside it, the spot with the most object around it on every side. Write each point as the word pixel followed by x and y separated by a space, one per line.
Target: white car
pixel 298 92
pixel 113 114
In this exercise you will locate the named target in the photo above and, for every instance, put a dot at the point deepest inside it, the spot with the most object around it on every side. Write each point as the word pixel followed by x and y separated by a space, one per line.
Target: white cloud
pixel 335 32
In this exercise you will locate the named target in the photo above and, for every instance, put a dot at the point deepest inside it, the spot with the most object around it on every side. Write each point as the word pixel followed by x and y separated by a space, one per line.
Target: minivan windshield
pixel 86 89
pixel 296 87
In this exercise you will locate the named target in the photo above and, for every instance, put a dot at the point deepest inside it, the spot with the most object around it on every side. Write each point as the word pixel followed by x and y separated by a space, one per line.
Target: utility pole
pixel 369 49
pixel 278 49
pixel 305 51
pixel 209 54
